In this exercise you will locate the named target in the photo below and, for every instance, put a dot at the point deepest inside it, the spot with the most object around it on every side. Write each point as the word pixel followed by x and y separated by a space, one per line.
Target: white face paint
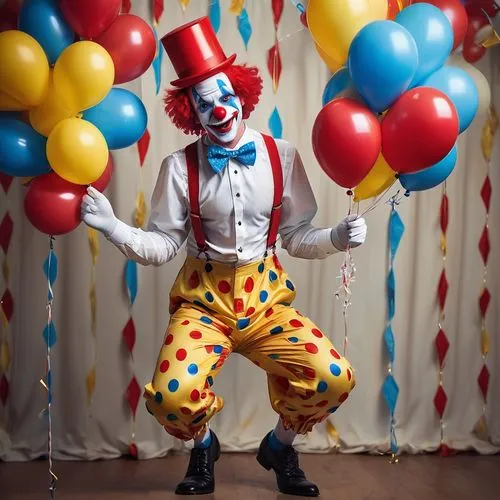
pixel 217 107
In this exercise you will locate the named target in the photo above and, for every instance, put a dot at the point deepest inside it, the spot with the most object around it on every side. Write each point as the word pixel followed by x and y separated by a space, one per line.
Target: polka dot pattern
pixel 263 295
pixel 184 323
pixel 206 320
pixel 276 330
pixel 311 348
pixel 185 410
pixel 164 366
pixel 243 323
pixel 343 397
pixel 218 349
pixel 272 276
pixel 293 340
pixel 250 311
pixel 192 369
pixel 195 334
pixel 269 313
pixel 249 284
pixel 208 267
pixel 224 286
pixel 335 370
pixel 274 356
pixel 322 387
pixel 181 354
pixel 333 409
pixel 317 333
pixel 261 267
pixel 173 385
pixel 171 417
pixel 289 285
pixel 309 372
pixel 334 353
pixel 158 397
pixel 209 297
pixel 169 339
pixel 194 279
pixel 296 323
pixel 210 381
pixel 195 395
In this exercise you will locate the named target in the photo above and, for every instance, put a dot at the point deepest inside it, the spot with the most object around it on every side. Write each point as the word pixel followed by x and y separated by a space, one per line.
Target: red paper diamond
pixel 133 393
pixel 277 6
pixel 143 146
pixel 132 450
pixel 484 381
pixel 274 64
pixel 126 5
pixel 4 389
pixel 157 9
pixel 442 289
pixel 8 305
pixel 5 181
pixel 486 193
pixel 484 301
pixel 442 346
pixel 440 400
pixel 444 213
pixel 129 335
pixel 6 228
pixel 484 244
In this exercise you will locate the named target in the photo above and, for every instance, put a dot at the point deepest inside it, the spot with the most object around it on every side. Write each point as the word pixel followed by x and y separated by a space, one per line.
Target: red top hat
pixel 195 52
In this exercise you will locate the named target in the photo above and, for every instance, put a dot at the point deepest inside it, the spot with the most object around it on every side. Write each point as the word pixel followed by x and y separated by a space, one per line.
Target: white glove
pixel 96 212
pixel 351 232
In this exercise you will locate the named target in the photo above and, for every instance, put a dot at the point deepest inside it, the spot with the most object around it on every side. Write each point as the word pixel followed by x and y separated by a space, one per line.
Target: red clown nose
pixel 219 113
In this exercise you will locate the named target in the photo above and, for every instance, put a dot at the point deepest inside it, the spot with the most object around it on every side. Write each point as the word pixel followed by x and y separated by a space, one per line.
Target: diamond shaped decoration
pixel 484 381
pixel 143 146
pixel 132 394
pixel 129 335
pixel 443 219
pixel 484 301
pixel 244 27
pixel 5 181
pixel 484 244
pixel 274 65
pixel 442 346
pixel 486 193
pixel 440 400
pixel 389 342
pixel 4 389
pixel 6 228
pixel 50 335
pixel 390 390
pixel 7 305
pixel 442 289
pixel 277 6
pixel 275 124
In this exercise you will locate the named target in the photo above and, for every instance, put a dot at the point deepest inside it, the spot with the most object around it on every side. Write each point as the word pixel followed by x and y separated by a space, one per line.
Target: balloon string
pixel 377 201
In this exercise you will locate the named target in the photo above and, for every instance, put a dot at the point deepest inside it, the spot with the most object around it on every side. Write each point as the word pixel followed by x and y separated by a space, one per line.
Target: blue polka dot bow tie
pixel 218 157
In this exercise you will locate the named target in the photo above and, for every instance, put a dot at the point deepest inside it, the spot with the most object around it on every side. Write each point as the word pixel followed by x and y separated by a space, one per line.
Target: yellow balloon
pixel 49 113
pixel 330 62
pixel 380 178
pixel 24 68
pixel 8 103
pixel 83 75
pixel 334 23
pixel 77 151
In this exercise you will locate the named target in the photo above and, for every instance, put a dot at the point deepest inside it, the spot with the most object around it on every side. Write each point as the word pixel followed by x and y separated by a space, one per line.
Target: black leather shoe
pixel 199 478
pixel 285 463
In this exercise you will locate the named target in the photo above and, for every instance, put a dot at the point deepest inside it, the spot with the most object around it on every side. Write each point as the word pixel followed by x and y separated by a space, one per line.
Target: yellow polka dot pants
pixel 216 310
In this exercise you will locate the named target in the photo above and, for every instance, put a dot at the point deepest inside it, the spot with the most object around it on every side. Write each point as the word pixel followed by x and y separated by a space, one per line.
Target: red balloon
pixel 419 130
pixel 456 14
pixel 131 44
pixel 52 204
pixel 89 18
pixel 102 183
pixel 346 140
pixel 471 50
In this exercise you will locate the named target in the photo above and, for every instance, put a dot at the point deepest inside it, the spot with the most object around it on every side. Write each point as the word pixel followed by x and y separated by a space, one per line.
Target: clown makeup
pixel 218 108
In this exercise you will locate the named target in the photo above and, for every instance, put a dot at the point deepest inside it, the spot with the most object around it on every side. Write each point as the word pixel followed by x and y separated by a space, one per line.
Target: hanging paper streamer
pixel 483 380
pixel 214 14
pixel 157 10
pixel 7 301
pixel 50 338
pixel 126 6
pixel 244 27
pixel 236 7
pixel 143 146
pixel 441 341
pixel 157 61
pixel 93 239
pixel 184 3
pixel 390 389
pixel 274 67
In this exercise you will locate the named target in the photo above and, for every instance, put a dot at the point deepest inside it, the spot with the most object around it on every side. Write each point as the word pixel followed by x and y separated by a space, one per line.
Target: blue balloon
pixel 120 116
pixel 339 85
pixel 432 176
pixel 382 61
pixel 460 88
pixel 22 149
pixel 43 20
pixel 433 35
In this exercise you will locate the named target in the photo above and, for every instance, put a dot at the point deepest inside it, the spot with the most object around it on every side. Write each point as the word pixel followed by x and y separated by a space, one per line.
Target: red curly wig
pixel 247 85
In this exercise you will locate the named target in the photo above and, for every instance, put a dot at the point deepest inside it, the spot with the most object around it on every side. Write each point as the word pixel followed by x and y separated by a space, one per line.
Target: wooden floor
pixel 340 477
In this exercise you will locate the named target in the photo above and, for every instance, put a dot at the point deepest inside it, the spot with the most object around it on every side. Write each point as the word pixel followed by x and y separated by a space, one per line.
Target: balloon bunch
pixel 59 112
pixel 394 110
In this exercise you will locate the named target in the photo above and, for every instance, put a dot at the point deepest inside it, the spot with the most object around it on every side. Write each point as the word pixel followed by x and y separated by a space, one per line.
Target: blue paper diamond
pixel 389 342
pixel 131 280
pixel 50 270
pixel 244 27
pixel 275 125
pixel 396 230
pixel 214 14
pixel 390 390
pixel 157 61
pixel 49 334
pixel 391 294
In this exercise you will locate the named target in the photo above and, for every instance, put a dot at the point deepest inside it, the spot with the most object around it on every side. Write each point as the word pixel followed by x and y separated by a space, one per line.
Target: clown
pixel 231 195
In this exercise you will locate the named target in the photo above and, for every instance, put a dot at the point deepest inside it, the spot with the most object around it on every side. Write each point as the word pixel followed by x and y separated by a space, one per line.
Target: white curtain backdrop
pixel 104 429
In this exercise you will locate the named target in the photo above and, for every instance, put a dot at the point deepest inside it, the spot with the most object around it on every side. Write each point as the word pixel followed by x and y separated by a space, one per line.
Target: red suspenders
pixel 194 193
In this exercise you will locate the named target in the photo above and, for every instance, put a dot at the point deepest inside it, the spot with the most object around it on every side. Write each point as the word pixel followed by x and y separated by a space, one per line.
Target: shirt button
pixel 239 223
pixel 237 195
pixel 235 171
pixel 240 249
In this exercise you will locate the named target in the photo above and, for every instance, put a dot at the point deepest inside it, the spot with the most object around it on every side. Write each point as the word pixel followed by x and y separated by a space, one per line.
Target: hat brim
pixel 199 77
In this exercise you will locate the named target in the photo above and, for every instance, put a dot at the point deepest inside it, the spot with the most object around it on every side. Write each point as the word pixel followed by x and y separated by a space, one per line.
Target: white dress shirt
pixel 235 207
